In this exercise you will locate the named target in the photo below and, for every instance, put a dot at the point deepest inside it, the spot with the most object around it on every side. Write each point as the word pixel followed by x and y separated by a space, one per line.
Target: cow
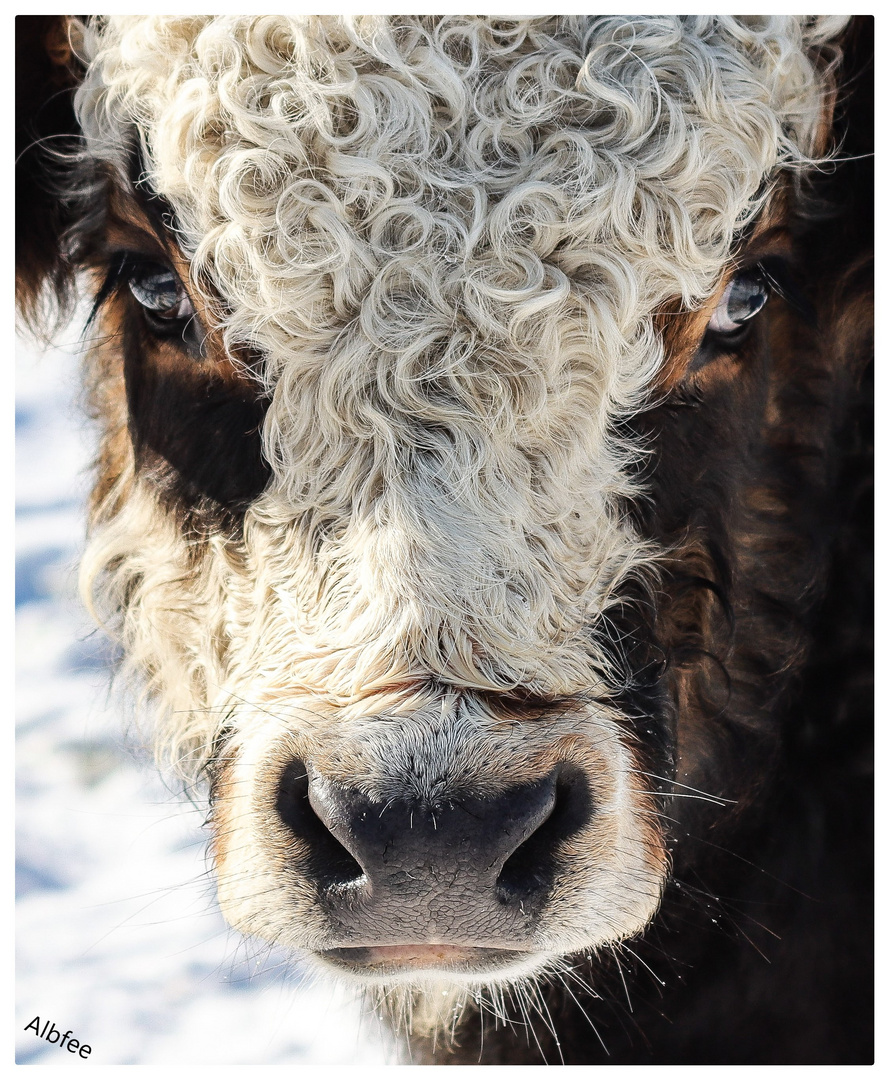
pixel 482 498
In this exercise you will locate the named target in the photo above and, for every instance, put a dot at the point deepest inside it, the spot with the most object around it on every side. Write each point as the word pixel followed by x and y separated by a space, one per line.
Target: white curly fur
pixel 447 238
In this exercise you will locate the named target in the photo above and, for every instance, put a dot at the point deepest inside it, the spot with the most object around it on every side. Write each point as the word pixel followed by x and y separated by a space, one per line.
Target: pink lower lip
pixel 418 954
pixel 421 956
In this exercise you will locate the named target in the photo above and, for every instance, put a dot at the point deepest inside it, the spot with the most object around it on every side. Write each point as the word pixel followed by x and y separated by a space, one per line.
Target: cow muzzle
pixel 440 840
pixel 467 872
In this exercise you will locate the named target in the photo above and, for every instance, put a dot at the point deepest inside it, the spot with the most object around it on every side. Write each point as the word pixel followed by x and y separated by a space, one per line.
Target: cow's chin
pixel 430 964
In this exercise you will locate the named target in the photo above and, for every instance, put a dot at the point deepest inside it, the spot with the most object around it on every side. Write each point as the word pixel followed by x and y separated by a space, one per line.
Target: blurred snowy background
pixel 119 937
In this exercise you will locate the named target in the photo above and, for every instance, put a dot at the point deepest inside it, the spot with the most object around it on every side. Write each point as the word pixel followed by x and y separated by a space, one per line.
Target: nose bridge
pixel 439 596
pixel 442 495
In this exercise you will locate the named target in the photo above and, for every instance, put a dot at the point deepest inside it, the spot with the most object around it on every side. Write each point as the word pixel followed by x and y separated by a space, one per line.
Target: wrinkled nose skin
pixel 467 871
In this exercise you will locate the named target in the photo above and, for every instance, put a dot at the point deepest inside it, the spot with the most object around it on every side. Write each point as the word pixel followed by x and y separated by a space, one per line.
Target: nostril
pixel 528 875
pixel 327 862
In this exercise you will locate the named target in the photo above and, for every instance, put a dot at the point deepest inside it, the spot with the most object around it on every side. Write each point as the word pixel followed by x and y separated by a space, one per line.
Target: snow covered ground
pixel 119 937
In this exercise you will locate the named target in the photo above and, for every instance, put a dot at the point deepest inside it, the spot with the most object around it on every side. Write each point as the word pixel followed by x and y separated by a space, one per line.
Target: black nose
pixel 467 870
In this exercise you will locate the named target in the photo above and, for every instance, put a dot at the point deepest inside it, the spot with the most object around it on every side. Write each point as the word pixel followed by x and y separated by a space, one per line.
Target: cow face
pixel 434 383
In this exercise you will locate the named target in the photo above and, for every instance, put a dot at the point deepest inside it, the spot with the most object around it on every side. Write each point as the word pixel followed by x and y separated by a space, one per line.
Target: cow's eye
pixel 166 306
pixel 744 297
pixel 161 293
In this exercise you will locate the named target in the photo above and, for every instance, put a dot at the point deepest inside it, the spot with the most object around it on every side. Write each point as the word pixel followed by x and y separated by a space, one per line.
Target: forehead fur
pixel 458 170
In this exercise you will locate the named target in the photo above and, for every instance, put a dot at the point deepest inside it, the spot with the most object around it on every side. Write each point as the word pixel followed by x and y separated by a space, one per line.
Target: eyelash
pixel 777 278
pixel 124 268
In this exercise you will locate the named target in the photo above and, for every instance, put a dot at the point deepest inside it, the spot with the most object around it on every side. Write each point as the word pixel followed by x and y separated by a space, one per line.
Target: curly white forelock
pixel 291 147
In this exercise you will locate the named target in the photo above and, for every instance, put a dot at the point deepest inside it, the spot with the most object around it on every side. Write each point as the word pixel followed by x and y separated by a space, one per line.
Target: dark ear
pixel 47 74
pixel 854 129
pixel 846 131
pixel 839 199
